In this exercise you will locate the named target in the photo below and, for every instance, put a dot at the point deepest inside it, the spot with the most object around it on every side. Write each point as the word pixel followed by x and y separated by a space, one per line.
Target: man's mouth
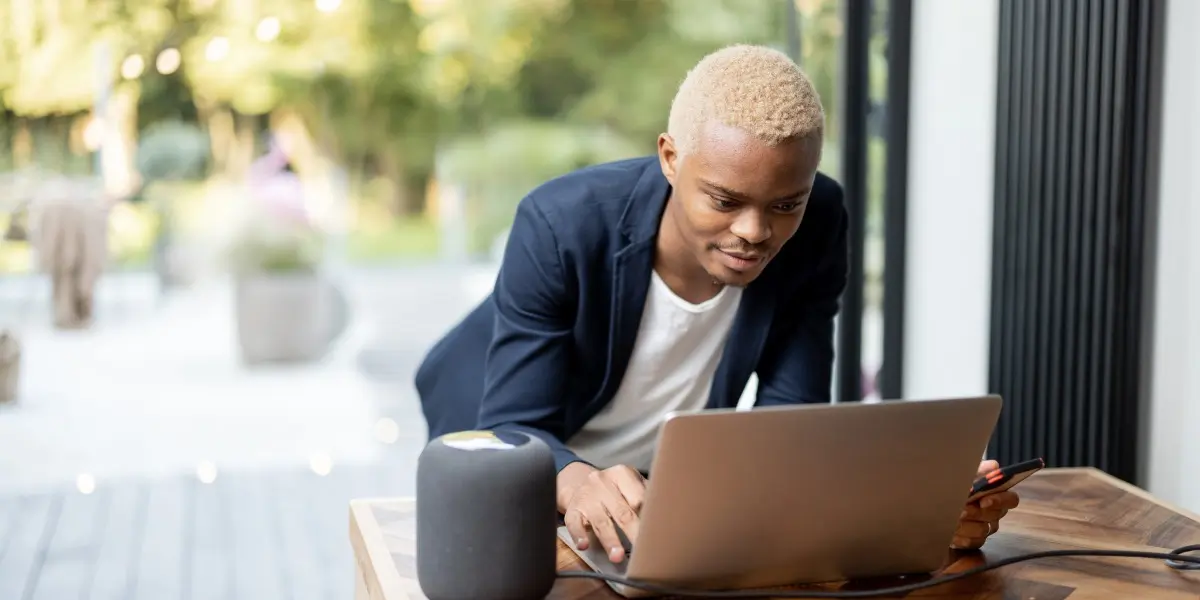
pixel 740 261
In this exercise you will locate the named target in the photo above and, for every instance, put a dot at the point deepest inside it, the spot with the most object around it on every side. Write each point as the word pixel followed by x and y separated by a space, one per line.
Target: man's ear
pixel 668 158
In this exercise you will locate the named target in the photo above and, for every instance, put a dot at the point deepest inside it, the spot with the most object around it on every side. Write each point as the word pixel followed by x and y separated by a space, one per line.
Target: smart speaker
pixel 486 517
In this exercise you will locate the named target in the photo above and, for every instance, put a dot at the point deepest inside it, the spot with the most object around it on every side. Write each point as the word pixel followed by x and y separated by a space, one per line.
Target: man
pixel 635 288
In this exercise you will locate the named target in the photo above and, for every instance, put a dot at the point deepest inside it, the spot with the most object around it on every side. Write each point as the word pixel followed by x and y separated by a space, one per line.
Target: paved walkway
pixel 143 461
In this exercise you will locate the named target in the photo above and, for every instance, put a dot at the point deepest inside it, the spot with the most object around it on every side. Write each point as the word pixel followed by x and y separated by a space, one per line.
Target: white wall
pixel 951 133
pixel 1174 415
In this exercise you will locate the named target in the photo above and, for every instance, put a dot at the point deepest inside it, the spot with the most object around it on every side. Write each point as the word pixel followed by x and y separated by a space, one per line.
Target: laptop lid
pixel 809 493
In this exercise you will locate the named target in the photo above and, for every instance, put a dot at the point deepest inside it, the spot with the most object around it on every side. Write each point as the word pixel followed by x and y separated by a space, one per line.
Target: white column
pixel 951 138
pixel 1173 427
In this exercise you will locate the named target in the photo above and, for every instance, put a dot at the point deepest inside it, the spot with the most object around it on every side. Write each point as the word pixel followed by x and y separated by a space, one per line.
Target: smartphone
pixel 1004 478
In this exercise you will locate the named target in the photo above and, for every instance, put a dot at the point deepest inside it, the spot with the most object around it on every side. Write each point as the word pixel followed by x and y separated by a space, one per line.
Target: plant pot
pixel 287 317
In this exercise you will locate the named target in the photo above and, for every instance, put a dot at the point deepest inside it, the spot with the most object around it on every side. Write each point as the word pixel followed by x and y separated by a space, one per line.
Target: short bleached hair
pixel 753 88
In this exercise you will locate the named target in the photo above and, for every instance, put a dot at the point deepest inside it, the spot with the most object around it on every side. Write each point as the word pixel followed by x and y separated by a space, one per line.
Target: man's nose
pixel 752 226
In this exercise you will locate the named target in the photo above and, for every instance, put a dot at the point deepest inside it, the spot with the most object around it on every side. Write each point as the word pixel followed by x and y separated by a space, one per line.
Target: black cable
pixel 1176 559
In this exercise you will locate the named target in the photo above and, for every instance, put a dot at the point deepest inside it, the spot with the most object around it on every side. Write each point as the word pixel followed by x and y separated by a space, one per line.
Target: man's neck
pixel 677 266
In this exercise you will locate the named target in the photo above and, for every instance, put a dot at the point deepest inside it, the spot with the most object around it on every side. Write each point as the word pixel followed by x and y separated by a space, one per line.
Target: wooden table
pixel 1060 509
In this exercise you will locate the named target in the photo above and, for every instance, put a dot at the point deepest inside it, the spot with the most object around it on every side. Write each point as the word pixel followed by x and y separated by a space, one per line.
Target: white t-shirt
pixel 678 348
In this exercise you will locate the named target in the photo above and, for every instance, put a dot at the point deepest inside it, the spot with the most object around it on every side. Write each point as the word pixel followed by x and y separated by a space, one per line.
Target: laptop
pixel 788 495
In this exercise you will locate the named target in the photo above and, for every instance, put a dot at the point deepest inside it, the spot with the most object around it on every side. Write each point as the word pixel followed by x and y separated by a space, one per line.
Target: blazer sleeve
pixel 796 365
pixel 527 361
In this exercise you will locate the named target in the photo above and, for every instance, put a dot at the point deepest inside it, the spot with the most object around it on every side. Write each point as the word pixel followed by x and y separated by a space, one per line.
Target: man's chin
pixel 725 276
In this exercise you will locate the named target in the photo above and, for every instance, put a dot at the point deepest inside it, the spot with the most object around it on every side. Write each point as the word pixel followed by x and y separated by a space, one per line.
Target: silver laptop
pixel 804 494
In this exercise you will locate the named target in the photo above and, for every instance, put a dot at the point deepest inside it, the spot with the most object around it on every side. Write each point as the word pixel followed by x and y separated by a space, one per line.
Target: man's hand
pixel 981 519
pixel 601 501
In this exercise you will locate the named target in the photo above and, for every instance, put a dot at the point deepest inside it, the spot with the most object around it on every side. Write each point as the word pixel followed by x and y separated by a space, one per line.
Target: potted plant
pixel 287 308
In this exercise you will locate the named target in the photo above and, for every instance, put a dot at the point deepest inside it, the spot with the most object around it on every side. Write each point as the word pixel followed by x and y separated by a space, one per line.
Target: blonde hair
pixel 753 88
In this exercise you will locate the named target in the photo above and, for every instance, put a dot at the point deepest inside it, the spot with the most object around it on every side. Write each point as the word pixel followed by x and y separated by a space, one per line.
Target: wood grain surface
pixel 1060 509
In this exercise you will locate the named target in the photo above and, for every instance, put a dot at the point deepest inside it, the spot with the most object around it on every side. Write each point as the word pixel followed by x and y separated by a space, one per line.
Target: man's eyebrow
pixel 720 189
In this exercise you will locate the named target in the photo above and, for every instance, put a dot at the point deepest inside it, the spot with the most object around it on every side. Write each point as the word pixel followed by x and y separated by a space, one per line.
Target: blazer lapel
pixel 631 281
pixel 743 346
pixel 632 265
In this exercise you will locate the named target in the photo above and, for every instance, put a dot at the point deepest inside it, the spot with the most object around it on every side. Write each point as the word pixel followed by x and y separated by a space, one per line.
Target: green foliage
pixel 276 251
pixel 494 95
pixel 501 166
pixel 273 229
pixel 41 85
pixel 266 241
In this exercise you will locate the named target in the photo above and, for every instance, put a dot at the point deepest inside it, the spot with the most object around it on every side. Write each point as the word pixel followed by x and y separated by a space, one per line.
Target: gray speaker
pixel 486 517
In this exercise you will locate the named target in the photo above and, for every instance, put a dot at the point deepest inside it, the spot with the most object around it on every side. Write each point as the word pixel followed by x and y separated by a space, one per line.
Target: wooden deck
pixel 261 535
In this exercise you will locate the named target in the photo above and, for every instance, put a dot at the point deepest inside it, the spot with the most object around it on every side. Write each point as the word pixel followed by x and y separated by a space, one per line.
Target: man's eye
pixel 723 204
pixel 789 207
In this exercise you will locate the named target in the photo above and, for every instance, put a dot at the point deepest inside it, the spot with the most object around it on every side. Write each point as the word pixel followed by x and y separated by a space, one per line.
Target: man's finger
pixel 609 493
pixel 577 527
pixel 625 518
pixel 989 515
pixel 972 529
pixel 1006 500
pixel 632 486
pixel 987 466
pixel 628 491
pixel 606 533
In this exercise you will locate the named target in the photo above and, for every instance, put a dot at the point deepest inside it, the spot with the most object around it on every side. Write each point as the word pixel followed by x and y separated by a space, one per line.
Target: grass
pixel 395 239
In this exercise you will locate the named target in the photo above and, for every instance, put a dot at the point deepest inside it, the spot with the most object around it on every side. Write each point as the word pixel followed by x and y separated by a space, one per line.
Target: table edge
pixel 1129 488
pixel 370 549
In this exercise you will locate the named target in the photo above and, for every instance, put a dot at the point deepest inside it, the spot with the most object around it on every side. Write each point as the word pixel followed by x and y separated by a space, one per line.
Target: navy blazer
pixel 547 349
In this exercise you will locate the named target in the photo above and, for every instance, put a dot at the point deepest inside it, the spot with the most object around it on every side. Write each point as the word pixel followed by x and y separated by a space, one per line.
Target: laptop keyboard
pixel 625 543
pixel 596 556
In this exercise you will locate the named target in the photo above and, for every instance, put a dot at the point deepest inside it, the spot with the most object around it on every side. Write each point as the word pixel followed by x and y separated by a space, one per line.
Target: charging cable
pixel 1179 559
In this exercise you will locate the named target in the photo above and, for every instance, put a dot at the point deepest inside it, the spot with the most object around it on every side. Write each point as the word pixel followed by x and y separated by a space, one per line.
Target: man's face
pixel 737 200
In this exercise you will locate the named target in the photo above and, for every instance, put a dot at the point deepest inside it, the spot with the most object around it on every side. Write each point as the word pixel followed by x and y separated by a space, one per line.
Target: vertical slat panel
pixel 1145 124
pixel 1087 423
pixel 1001 264
pixel 1049 14
pixel 1118 209
pixel 1073 124
pixel 1022 374
pixel 1074 374
pixel 1035 341
pixel 1017 170
pixel 1019 406
pixel 1098 258
pixel 1004 266
pixel 1063 15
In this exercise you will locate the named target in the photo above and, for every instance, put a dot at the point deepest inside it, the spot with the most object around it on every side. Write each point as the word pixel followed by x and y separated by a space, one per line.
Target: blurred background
pixel 232 228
